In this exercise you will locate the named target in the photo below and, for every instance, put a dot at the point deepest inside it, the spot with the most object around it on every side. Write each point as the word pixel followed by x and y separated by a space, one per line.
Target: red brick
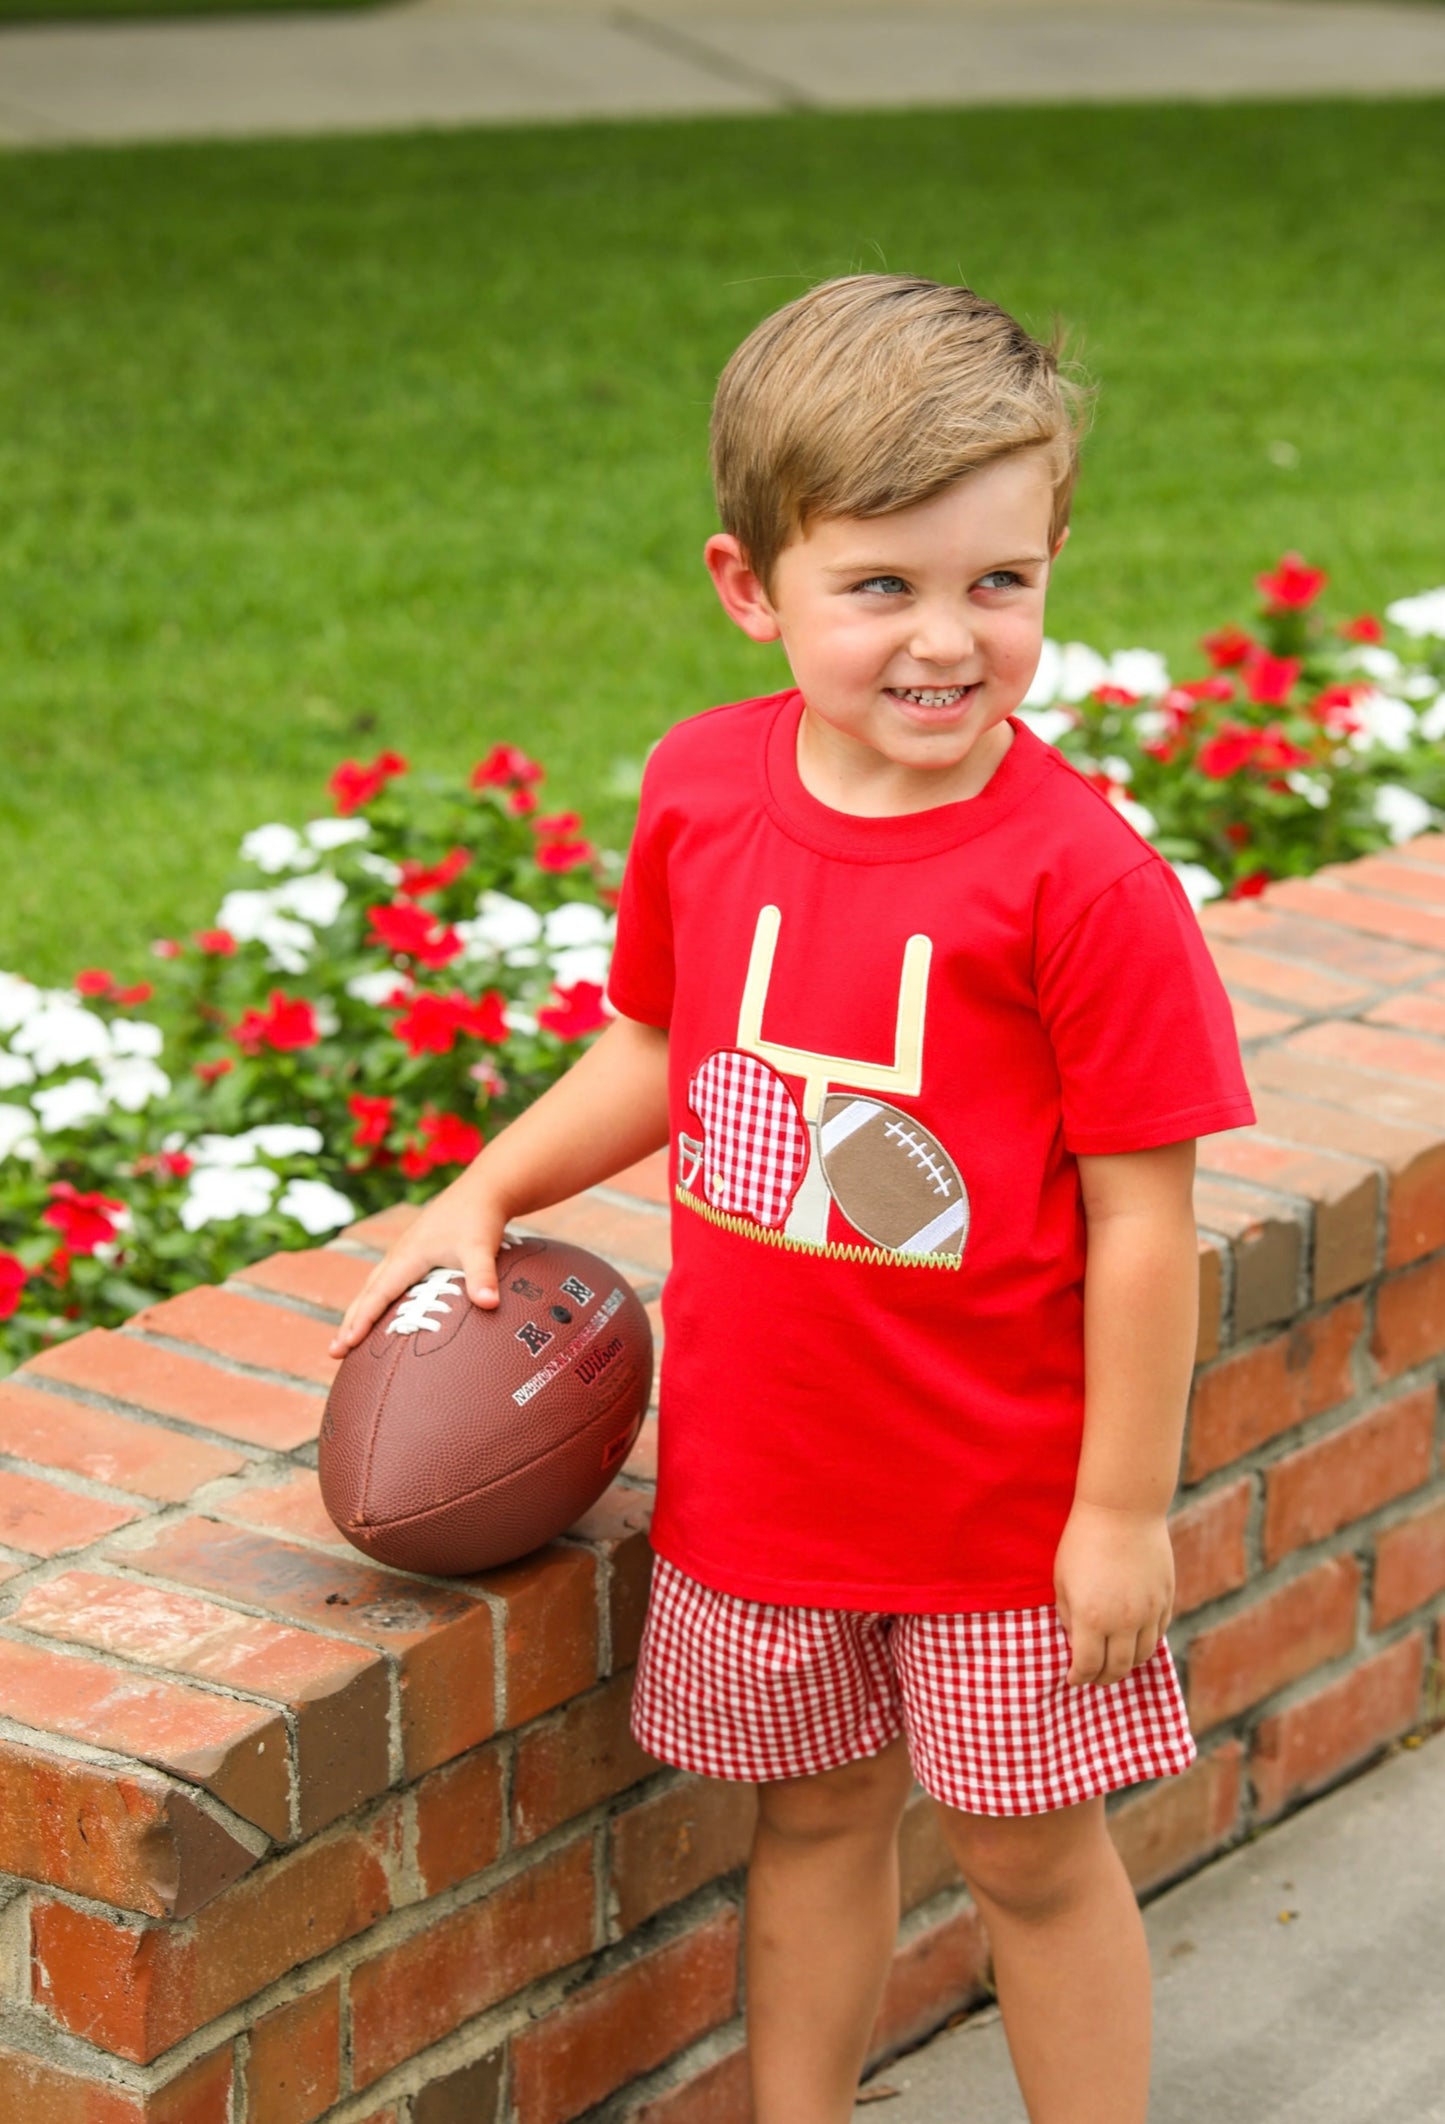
pixel 459 1819
pixel 925 1864
pixel 625 2024
pixel 1405 1099
pixel 671 1843
pixel 146 1376
pixel 641 1463
pixel 471 2096
pixel 1415 1011
pixel 1237 1663
pixel 719 2094
pixel 10 1570
pixel 648 1179
pixel 617 1526
pixel 1266 1240
pixel 1211 1301
pixel 384 1229
pixel 1300 1749
pixel 1286 981
pixel 1258 1021
pixel 1425 848
pixel 1372 1047
pixel 439 1636
pixel 137 1989
pixel 275 1338
pixel 236 1750
pixel 938 1973
pixel 1413 1159
pixel 1410 1318
pixel 120 1837
pixel 1261 926
pixel 34 2092
pixel 44 1520
pixel 144 1458
pixel 551 1627
pixel 294 2070
pixel 1349 1473
pixel 1209 1553
pixel 1242 1400
pixel 1409 1564
pixel 1344 1192
pixel 317 1275
pixel 338 1695
pixel 1171 1827
pixel 291 1506
pixel 1399 920
pixel 1384 874
pixel 419 1991
pixel 639 1238
pixel 585 1755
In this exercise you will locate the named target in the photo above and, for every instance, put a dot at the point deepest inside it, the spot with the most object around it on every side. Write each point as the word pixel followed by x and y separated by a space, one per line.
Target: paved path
pixel 1333 2017
pixel 464 62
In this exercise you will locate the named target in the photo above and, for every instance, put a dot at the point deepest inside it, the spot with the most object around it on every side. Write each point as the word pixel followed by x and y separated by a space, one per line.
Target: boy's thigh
pixel 864 1797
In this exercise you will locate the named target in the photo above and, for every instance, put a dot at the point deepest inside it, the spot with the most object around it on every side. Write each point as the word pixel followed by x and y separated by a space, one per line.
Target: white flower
pixel 1046 723
pixel 315 1206
pixel 1141 671
pixel 1383 721
pixel 586 963
pixel 1150 723
pixel 215 1194
pixel 62 1106
pixel 18 1000
pixel 1081 670
pixel 254 918
pixel 61 1034
pixel 504 924
pixel 375 988
pixel 282 1139
pixel 1432 723
pixel 380 867
pixel 216 1151
pixel 273 848
pixel 1116 769
pixel 520 1020
pixel 132 1082
pixel 17 1133
pixel 318 899
pixel 1376 662
pixel 1404 813
pixel 1044 686
pixel 1139 816
pixel 1199 883
pixel 1424 614
pixel 14 1069
pixel 327 834
pixel 245 914
pixel 576 923
pixel 1419 686
pixel 1312 787
pixel 135 1036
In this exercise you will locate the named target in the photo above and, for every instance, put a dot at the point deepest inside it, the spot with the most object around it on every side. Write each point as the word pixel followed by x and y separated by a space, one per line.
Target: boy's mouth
pixel 938 697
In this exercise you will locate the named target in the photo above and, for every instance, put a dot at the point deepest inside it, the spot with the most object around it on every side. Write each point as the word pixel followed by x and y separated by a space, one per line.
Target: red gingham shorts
pixel 743 1689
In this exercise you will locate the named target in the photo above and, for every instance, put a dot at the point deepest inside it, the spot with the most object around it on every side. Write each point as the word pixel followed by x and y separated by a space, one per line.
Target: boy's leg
pixel 822 1919
pixel 1071 1962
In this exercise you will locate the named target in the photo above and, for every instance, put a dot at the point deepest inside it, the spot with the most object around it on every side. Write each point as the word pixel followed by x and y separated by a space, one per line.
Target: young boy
pixel 931 1031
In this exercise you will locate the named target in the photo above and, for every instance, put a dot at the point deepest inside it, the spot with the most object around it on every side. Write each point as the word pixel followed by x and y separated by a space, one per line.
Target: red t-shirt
pixel 889 1040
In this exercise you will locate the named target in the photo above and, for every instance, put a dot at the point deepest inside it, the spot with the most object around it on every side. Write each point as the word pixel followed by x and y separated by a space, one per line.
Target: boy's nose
pixel 941 638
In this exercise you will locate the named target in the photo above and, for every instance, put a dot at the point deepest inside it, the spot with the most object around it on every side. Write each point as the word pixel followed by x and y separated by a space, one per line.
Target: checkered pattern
pixel 742 1689
pixel 755 1141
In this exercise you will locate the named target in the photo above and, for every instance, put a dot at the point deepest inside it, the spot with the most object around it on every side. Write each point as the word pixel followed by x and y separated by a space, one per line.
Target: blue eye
pixel 1006 577
pixel 891 584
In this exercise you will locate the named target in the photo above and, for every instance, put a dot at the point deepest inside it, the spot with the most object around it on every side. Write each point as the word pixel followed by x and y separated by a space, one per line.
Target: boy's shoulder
pixel 732 730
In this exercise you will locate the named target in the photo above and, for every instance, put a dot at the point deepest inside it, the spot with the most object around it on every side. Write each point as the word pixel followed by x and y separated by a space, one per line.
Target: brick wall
pixel 290 1837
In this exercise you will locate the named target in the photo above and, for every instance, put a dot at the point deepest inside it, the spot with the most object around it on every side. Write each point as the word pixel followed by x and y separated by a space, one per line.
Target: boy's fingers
pixel 387 1281
pixel 479 1267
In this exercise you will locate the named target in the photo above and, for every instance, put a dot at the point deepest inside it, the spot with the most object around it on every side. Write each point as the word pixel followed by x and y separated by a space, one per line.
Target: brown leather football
pixel 456 1439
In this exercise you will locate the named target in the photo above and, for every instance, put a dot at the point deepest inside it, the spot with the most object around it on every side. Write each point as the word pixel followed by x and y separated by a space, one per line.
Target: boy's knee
pixel 1030 1866
pixel 867 1796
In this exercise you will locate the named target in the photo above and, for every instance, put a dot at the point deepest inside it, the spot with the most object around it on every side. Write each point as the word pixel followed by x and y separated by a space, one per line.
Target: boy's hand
pixel 460 1230
pixel 1114 1589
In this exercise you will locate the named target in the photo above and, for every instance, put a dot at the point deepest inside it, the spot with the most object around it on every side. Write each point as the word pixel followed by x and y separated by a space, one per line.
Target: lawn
pixel 312 448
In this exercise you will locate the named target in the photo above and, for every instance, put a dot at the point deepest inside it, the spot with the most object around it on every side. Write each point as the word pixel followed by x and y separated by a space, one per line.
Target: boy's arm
pixel 607 1111
pixel 1114 1569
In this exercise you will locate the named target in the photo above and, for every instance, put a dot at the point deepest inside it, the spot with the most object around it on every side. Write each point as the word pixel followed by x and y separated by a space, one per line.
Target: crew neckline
pixel 913 833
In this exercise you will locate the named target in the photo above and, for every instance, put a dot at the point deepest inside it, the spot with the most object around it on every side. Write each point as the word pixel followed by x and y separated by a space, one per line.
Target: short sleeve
pixel 1141 1028
pixel 640 982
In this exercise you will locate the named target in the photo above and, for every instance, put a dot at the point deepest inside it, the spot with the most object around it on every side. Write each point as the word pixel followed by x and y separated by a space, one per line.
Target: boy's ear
pixel 740 592
pixel 1060 542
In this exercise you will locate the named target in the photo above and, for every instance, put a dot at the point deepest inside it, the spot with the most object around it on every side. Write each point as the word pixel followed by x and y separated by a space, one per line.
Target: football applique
pixel 892 1179
pixel 754 1147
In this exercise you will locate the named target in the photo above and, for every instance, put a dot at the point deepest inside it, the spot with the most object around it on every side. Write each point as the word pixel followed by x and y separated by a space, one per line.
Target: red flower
pixel 1229 647
pixel 609 895
pixel 563 855
pixel 166 948
pixel 1210 689
pixel 503 766
pixel 1115 697
pixel 1269 680
pixel 1275 751
pixel 1230 748
pixel 558 825
pixel 485 1019
pixel 1237 835
pixel 1334 710
pixel 1248 888
pixel 405 928
pixel 209 1071
pixel 174 1164
pixel 13 1277
pixel 577 1011
pixel 353 785
pixel 417 879
pixel 1292 586
pixel 445 1140
pixel 372 1117
pixel 431 1023
pixel 520 802
pixel 93 981
pixel 288 1022
pixel 140 993
pixel 84 1222
pixel 1364 629
pixel 218 943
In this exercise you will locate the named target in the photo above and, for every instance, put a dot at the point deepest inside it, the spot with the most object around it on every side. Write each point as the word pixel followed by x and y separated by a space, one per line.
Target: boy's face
pixel 911 636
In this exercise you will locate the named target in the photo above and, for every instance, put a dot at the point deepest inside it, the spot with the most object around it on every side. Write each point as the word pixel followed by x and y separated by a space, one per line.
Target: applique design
pixel 770 1165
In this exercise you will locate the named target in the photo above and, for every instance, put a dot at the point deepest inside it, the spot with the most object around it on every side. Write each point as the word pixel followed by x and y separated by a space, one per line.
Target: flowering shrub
pixel 376 993
pixel 1303 744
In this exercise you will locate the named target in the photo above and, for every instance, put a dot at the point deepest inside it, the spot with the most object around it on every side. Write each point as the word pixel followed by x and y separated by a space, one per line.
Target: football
pixel 893 1181
pixel 457 1439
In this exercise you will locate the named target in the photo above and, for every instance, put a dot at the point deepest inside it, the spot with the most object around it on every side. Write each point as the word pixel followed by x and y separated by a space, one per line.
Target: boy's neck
pixel 871 795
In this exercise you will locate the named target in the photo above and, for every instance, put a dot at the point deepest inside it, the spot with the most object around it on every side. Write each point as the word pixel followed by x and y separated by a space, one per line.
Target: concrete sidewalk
pixel 465 62
pixel 1297 1981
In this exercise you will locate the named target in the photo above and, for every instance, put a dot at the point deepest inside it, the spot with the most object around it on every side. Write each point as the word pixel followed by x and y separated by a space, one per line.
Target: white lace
pixel 425 1304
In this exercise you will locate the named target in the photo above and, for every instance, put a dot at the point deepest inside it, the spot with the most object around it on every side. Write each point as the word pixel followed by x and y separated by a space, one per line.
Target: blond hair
pixel 874 392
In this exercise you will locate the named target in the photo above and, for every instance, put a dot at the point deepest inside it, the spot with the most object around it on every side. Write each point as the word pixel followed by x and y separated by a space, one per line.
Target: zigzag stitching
pixel 747 1230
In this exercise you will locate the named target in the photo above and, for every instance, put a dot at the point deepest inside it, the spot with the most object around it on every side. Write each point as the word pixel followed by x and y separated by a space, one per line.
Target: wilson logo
pixel 594 1365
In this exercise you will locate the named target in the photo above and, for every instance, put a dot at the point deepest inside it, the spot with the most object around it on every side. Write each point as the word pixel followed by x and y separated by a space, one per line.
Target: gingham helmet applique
pixel 754 1140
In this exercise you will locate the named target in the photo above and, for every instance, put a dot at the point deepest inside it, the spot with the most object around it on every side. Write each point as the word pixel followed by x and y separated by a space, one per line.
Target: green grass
pixel 310 448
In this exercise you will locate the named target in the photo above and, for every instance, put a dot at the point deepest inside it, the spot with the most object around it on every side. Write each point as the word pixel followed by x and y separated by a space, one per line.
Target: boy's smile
pixel 912 636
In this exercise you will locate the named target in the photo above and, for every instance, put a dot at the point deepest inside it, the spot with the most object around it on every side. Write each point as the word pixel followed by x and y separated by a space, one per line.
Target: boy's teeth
pixel 930 696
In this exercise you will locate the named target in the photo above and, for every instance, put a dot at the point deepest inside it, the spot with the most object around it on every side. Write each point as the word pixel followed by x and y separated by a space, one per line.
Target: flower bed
pixel 385 985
